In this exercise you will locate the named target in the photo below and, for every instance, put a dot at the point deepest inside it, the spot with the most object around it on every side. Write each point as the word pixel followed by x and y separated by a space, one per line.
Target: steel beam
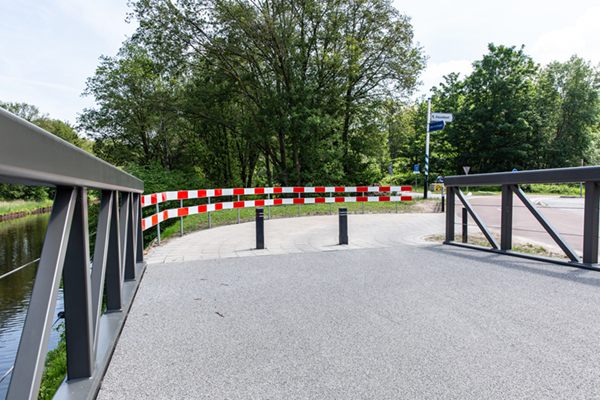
pixel 129 240
pixel 124 230
pixel 450 214
pixel 546 225
pixel 557 175
pixel 507 220
pixel 31 156
pixel 29 363
pixel 114 297
pixel 139 234
pixel 78 295
pixel 100 259
pixel 477 220
pixel 590 223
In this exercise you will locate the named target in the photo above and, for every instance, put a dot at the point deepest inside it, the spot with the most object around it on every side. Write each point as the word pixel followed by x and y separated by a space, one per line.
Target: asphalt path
pixel 427 321
pixel 564 214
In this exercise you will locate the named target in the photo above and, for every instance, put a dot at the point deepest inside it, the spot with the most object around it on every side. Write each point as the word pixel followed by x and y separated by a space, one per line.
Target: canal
pixel 21 242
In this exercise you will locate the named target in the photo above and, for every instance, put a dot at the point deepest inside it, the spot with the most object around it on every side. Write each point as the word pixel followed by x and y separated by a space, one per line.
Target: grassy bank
pixel 567 189
pixel 198 222
pixel 8 207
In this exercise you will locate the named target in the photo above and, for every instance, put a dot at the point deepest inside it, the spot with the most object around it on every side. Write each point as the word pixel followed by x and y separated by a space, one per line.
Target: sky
pixel 48 48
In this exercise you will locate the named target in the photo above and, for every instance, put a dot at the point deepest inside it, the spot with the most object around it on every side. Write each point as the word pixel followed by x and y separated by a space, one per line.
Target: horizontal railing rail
pixel 510 181
pixel 32 156
pixel 160 216
pixel 158 198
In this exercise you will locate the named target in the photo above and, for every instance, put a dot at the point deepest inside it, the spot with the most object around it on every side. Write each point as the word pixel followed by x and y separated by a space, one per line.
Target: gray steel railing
pixel 510 182
pixel 32 156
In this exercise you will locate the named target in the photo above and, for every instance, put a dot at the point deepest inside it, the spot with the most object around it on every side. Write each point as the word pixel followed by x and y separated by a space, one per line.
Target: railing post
pixel 100 260
pixel 158 225
pixel 260 228
pixel 127 240
pixel 140 234
pixel 507 220
pixel 181 219
pixel 450 215
pixel 77 294
pixel 29 363
pixel 590 223
pixel 465 225
pixel 114 266
pixel 343 216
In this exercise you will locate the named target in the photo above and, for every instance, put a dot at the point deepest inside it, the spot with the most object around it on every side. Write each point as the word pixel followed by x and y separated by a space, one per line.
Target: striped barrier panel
pixel 158 198
pixel 161 216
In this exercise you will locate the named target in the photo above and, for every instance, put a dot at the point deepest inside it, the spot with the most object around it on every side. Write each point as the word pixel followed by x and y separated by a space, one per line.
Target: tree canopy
pixel 288 92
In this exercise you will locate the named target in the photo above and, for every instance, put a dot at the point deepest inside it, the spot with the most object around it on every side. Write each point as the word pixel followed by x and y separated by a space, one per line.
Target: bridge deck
pixel 394 319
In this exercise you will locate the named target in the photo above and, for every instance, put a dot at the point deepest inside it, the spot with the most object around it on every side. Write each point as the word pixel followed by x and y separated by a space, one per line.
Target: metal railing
pixel 510 181
pixel 32 156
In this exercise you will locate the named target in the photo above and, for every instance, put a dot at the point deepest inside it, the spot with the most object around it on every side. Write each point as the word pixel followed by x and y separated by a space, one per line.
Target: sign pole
pixel 427 149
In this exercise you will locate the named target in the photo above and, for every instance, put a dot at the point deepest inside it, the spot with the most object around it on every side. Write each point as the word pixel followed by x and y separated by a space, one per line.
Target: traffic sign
pixel 466 169
pixel 446 117
pixel 436 126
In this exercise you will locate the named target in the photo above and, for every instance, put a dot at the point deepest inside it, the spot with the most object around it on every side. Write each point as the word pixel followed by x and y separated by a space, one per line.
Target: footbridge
pixel 390 315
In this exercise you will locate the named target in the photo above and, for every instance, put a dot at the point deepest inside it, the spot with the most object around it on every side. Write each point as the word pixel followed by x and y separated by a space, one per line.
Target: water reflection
pixel 21 241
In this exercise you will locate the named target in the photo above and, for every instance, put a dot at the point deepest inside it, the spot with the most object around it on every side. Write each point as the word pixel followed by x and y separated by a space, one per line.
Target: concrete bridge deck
pixel 388 317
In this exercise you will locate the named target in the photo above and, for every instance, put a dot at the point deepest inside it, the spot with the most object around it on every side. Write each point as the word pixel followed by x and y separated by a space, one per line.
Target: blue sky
pixel 49 48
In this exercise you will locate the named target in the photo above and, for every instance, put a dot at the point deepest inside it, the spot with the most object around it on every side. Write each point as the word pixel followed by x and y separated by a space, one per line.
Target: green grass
pixel 198 222
pixel 566 189
pixel 478 239
pixel 55 367
pixel 7 207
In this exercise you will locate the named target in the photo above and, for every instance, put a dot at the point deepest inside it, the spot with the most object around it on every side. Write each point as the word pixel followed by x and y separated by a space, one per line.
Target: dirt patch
pixel 520 245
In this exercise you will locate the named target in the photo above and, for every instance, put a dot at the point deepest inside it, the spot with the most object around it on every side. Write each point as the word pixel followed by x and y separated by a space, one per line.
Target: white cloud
pixel 435 72
pixel 580 39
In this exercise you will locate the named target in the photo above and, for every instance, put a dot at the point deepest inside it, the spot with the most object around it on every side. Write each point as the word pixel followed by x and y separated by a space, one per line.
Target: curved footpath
pixel 300 235
pixel 387 317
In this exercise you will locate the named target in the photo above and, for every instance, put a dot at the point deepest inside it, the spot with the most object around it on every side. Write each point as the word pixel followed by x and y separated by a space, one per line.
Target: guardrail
pixel 510 182
pixel 32 156
pixel 160 216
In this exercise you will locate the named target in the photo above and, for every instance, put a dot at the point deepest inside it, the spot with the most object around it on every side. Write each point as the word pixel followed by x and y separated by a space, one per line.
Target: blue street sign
pixel 436 126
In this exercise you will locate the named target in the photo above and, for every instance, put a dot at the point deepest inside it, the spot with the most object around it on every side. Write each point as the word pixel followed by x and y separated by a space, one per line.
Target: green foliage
pixel 7 207
pixel 55 367
pixel 508 113
pixel 281 93
pixel 61 129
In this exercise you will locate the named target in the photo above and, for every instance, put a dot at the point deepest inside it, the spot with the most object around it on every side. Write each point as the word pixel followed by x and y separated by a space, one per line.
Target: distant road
pixel 565 215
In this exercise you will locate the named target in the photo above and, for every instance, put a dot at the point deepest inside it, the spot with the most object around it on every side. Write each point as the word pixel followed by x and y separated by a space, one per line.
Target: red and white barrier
pixel 155 198
pixel 192 194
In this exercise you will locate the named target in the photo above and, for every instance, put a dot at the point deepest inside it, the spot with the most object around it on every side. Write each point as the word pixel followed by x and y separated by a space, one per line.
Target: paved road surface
pixel 565 215
pixel 403 319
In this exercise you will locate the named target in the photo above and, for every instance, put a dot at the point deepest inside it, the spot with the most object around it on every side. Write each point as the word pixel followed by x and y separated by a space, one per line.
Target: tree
pixel 303 76
pixel 568 95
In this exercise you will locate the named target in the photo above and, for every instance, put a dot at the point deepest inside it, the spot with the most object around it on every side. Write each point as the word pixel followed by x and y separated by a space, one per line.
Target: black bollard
pixel 465 222
pixel 343 226
pixel 260 228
